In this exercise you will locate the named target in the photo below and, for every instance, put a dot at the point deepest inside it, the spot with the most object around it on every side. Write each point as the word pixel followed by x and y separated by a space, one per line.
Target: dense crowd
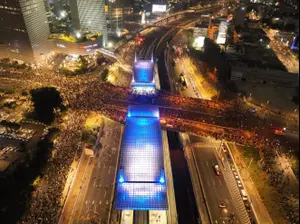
pixel 44 207
pixel 85 93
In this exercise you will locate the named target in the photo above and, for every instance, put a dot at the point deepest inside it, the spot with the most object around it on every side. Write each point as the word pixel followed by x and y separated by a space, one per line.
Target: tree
pixel 45 100
pixel 104 75
pixel 83 62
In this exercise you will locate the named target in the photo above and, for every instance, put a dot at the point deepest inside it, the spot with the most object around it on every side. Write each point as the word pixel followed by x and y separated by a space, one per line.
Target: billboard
pixel 159 8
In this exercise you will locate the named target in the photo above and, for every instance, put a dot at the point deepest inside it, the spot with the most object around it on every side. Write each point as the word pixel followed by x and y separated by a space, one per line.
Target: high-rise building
pixel 89 15
pixel 24 30
pixel 114 16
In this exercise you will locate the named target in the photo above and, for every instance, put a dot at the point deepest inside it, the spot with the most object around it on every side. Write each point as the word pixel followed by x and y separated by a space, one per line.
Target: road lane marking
pixel 86 189
pixel 84 173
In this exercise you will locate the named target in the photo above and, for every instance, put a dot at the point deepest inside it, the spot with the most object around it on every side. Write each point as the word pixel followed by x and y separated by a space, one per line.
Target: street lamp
pixel 78 35
pixel 63 14
pixel 110 45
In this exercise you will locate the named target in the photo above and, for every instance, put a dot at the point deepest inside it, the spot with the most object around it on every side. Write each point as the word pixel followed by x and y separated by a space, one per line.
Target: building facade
pixel 89 15
pixel 24 30
pixel 114 17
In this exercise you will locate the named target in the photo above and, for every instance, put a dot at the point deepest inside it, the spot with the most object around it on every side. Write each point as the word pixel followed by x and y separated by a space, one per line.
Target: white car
pixel 239 183
pixel 236 175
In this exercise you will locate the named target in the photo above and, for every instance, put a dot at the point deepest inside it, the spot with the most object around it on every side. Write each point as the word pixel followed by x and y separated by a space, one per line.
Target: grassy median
pixel 269 195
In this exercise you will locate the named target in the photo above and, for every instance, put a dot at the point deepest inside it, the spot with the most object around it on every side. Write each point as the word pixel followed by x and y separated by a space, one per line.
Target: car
pixel 236 175
pixel 217 170
pixel 248 207
pixel 245 198
pixel 224 149
pixel 239 183
pixel 244 195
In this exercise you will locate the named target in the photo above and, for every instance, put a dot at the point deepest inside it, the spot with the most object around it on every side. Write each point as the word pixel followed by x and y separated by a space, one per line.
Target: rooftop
pixel 141 183
pixel 143 73
pixel 8 157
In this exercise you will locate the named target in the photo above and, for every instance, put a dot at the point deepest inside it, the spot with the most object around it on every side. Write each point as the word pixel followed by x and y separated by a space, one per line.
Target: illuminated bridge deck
pixel 141 183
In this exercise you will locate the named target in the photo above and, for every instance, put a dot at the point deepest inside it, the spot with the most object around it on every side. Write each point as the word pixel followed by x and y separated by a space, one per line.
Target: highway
pixel 215 187
pixel 91 200
pixel 184 195
pixel 217 191
pixel 154 44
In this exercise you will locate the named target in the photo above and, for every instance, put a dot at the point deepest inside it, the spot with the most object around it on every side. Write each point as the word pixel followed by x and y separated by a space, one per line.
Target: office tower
pixel 114 17
pixel 239 16
pixel 24 30
pixel 89 15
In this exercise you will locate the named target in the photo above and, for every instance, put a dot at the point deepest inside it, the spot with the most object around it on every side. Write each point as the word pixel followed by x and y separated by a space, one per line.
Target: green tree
pixel 45 100
pixel 83 62
pixel 104 75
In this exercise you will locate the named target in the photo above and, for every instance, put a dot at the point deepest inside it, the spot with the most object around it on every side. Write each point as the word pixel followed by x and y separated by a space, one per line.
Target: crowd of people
pixel 44 207
pixel 82 94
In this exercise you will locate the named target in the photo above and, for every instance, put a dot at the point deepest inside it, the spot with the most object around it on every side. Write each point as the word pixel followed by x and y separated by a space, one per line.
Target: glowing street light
pixel 78 35
pixel 110 45
pixel 63 14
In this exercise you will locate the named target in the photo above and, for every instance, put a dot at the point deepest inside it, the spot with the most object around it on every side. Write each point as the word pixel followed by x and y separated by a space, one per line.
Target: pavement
pixel 91 196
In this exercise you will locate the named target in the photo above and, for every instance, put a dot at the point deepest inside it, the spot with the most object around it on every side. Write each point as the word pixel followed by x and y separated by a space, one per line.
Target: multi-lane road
pixel 91 195
pixel 220 193
pixel 222 196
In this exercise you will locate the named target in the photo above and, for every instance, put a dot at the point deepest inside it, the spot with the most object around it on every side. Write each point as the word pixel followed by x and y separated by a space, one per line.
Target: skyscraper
pixel 89 15
pixel 114 17
pixel 24 30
